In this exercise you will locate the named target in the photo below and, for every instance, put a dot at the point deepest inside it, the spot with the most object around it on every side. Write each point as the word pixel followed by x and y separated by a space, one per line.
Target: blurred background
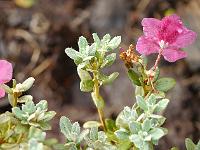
pixel 34 34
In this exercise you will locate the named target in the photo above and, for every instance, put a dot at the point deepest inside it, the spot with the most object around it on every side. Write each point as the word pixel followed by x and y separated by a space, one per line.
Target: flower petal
pixel 187 37
pixel 2 93
pixel 146 45
pixel 6 71
pixel 150 27
pixel 173 54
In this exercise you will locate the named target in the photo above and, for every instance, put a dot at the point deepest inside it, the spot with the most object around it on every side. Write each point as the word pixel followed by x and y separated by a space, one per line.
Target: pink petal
pixel 150 27
pixel 173 54
pixel 147 45
pixel 6 71
pixel 2 93
pixel 173 18
pixel 184 39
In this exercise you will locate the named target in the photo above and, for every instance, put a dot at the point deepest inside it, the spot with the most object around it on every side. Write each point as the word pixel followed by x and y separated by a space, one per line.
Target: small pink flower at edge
pixel 6 71
pixel 168 34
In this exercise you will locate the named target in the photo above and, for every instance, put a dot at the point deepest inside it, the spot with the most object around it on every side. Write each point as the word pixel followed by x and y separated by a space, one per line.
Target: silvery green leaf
pixel 17 112
pixel 161 105
pixel 82 135
pixel 141 103
pixel 82 65
pixel 44 125
pixel 26 85
pixel 106 38
pixel 92 50
pixel 65 126
pixel 156 122
pixel 146 126
pixel 73 54
pixel 36 134
pixel 139 90
pixel 165 84
pixel 25 98
pixel 82 44
pixel 108 79
pixel 137 140
pixel 71 146
pixel 98 101
pixel 88 58
pixel 76 128
pixel 134 127
pixel 108 60
pixel 33 144
pixel 42 105
pixel 83 74
pixel 122 134
pixel 86 85
pixel 189 144
pixel 29 107
pixel 156 133
pixel 102 136
pixel 94 134
pixel 115 42
pixel 91 124
pixel 96 40
pixel 48 116
pixel 152 99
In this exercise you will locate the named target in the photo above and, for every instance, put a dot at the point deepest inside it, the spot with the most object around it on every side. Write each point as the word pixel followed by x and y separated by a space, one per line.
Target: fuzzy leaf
pixel 165 84
pixel 141 103
pixel 161 105
pixel 134 127
pixel 73 54
pixel 122 134
pixel 146 125
pixel 115 42
pixel 108 79
pixel 82 44
pixel 83 74
pixel 109 60
pixel 189 144
pixel 156 133
pixel 91 124
pixel 65 126
pixel 86 85
pixel 134 77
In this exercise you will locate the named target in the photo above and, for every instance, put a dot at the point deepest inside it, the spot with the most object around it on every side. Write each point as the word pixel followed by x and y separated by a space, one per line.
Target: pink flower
pixel 6 71
pixel 167 34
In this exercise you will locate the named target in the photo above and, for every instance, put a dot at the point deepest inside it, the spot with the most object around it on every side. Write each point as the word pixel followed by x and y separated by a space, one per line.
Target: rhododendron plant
pixel 6 71
pixel 137 127
pixel 166 37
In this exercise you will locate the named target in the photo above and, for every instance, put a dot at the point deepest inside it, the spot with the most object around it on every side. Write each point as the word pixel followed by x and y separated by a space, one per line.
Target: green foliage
pixel 165 84
pixel 140 125
pixel 34 115
pixel 72 133
pixel 98 140
pixel 134 77
pixel 92 58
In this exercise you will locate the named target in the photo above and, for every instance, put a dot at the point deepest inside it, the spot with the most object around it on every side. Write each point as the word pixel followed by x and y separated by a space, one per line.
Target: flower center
pixel 163 44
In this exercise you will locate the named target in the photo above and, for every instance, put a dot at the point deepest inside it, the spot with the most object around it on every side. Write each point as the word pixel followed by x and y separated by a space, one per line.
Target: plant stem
pixel 99 98
pixel 158 59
